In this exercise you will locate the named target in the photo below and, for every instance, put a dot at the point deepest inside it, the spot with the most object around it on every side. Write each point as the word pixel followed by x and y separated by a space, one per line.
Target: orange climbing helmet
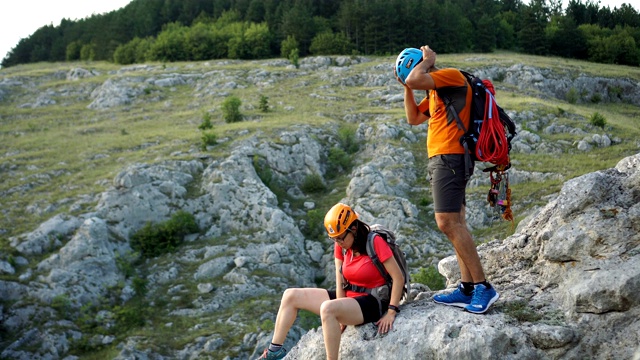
pixel 338 219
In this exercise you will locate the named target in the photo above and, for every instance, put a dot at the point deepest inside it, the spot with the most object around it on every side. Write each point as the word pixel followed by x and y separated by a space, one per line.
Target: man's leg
pixel 454 227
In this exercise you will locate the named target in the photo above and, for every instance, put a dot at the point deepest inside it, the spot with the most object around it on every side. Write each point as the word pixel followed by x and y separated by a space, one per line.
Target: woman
pixel 343 307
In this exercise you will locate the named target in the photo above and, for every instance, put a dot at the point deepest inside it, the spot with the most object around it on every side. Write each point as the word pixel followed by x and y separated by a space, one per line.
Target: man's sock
pixel 275 347
pixel 485 283
pixel 467 288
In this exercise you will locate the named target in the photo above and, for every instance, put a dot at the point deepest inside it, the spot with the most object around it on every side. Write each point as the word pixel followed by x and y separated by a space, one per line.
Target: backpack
pixel 400 257
pixel 485 115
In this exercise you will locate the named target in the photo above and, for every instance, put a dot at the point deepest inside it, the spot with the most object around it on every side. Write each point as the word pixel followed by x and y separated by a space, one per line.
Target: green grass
pixel 58 153
pixel 81 150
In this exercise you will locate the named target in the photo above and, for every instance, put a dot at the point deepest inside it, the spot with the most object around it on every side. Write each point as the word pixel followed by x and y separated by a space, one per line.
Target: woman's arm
pixel 386 322
pixel 398 280
pixel 340 293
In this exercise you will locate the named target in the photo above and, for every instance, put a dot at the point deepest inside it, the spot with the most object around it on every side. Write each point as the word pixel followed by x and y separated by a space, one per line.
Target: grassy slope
pixel 68 142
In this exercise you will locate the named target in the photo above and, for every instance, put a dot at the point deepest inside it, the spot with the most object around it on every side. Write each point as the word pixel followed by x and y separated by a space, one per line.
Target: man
pixel 415 70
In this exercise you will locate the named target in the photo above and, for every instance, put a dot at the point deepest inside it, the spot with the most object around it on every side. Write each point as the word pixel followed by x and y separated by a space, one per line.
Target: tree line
pixel 186 30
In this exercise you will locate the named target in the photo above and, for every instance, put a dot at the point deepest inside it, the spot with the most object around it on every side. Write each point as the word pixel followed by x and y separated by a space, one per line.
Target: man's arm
pixel 414 116
pixel 419 78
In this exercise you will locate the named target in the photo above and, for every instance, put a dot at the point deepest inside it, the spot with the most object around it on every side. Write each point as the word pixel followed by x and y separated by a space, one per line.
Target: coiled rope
pixel 492 143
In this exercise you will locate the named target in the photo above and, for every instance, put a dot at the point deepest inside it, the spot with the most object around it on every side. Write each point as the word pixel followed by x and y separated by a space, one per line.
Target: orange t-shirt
pixel 360 270
pixel 443 136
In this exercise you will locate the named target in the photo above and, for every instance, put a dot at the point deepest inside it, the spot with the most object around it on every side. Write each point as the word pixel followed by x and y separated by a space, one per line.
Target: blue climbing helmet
pixel 406 61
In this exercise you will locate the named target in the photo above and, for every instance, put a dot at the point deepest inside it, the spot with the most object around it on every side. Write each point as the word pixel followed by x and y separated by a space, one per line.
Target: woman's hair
pixel 360 236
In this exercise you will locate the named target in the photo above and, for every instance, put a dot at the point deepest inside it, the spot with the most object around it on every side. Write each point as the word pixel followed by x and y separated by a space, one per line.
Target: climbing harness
pixel 499 196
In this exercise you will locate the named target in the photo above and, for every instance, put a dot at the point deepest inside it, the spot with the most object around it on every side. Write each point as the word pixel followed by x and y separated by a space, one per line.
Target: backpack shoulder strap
pixel 448 101
pixel 374 257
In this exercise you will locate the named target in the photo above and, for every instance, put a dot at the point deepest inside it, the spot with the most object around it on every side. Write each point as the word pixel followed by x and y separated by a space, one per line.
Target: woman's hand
pixel 385 324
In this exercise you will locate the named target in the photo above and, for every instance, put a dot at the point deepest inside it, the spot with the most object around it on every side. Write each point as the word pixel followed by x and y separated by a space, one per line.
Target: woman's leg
pixel 345 311
pixel 293 300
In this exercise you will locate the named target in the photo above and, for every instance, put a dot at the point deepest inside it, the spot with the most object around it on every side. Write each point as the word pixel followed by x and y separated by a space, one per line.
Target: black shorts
pixel 447 176
pixel 371 309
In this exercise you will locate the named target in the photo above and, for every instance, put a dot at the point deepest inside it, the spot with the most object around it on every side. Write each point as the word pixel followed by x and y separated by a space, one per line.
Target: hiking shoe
pixel 270 355
pixel 455 298
pixel 482 299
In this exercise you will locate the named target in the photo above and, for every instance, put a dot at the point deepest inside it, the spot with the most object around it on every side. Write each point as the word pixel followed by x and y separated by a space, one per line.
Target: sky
pixel 21 18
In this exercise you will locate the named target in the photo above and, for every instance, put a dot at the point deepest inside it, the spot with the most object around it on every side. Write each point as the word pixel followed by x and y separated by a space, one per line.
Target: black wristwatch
pixel 395 308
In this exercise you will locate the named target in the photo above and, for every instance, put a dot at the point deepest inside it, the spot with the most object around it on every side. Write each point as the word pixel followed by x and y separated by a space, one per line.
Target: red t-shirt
pixel 360 270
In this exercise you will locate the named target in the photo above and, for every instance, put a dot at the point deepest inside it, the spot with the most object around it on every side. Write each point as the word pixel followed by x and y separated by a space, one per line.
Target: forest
pixel 193 30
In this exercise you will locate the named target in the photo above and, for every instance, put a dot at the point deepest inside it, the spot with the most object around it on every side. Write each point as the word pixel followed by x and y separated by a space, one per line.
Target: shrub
pixel 139 286
pixel 130 316
pixel 73 51
pixel 62 305
pixel 329 43
pixel 315 224
pixel 572 96
pixel 424 201
pixel 267 325
pixel 87 52
pixel 521 312
pixel 499 77
pixel 125 263
pixel 206 122
pixel 294 57
pixel 263 170
pixel 596 98
pixel 156 239
pixel 231 109
pixel 430 277
pixel 347 139
pixel 598 120
pixel 313 184
pixel 208 139
pixel 615 91
pixel 338 162
pixel 308 320
pixel 264 103
pixel 288 46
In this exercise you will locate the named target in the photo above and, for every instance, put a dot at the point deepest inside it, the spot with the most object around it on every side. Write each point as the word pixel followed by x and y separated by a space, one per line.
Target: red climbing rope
pixel 492 144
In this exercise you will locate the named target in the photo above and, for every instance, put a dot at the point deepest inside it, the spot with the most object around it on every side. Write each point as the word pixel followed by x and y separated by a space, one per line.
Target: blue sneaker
pixel 456 298
pixel 273 355
pixel 482 299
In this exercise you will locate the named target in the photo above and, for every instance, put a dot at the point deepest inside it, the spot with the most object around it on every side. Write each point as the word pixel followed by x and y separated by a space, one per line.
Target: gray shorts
pixel 448 184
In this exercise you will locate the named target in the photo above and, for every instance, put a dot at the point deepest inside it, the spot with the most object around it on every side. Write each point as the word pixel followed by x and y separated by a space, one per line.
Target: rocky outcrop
pixel 561 83
pixel 566 277
pixel 568 281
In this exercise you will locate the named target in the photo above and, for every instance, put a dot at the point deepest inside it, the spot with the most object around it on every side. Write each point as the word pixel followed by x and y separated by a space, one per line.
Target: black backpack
pixel 479 100
pixel 400 257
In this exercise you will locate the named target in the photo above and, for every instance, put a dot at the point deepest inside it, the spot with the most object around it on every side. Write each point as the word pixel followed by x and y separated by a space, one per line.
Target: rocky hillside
pixel 71 286
pixel 568 280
